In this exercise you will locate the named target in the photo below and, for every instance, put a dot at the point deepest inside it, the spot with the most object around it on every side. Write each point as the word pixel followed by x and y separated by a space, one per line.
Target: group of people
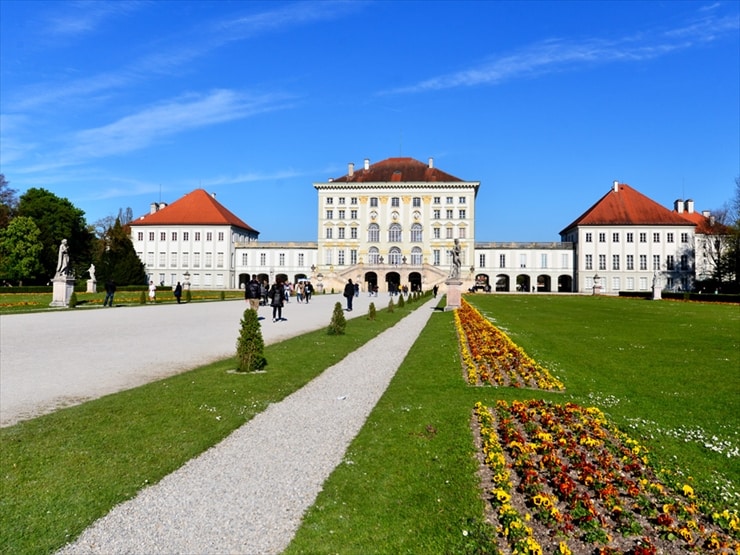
pixel 256 294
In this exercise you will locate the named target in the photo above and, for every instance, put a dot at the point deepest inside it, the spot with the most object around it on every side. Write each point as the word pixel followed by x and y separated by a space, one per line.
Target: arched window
pixel 416 233
pixel 394 255
pixel 373 233
pixel 372 255
pixel 395 233
pixel 416 256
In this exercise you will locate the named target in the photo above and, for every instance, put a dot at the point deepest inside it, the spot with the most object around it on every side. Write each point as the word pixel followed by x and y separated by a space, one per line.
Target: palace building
pixel 393 223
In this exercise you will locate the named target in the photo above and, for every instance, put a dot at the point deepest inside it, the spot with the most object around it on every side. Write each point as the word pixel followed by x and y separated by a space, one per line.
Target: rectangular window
pixel 184 260
pixel 437 214
pixel 449 200
pixel 482 260
pixel 656 237
pixel 328 233
pixel 353 256
pixel 162 236
pixel 630 261
pixel 461 233
pixel 543 260
pixel 245 259
pixel 670 262
pixel 209 236
pixel 395 202
pixel 329 257
pixel 615 237
pixel 684 262
pixel 602 237
pixel 341 200
pixel 174 235
pixel 522 260
pixel 449 233
pixel 281 259
pixel 502 261
pixel 341 232
pixel 207 280
pixel 669 237
pixel 220 235
pixel 643 262
pixel 437 200
pixel 197 235
pixel 643 237
pixel 602 262
pixel 643 283
pixel 300 259
pixel 151 236
pixel 209 260
pixel 173 260
pixel 616 285
pixel 219 260
pixel 140 236
pixel 435 257
pixel 435 233
pixel 565 261
pixel 656 262
pixel 340 257
pixel 416 202
pixel 185 236
pixel 341 214
pixel 615 262
pixel 588 238
pixel 263 259
pixel 461 214
pixel 374 202
pixel 684 237
pixel 329 200
pixel 353 233
pixel 162 259
pixel 329 214
pixel 630 237
pixel 196 260
pixel 589 261
pixel 461 200
pixel 353 214
pixel 630 284
pixel 150 259
pixel 353 200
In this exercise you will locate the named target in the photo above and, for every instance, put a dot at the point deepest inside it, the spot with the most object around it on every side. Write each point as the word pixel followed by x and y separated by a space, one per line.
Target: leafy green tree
pixel 338 323
pixel 8 202
pixel 117 259
pixel 20 250
pixel 250 346
pixel 57 218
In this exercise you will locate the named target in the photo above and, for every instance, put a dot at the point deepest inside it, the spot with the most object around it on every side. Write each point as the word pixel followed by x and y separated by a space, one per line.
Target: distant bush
pixel 371 312
pixel 390 305
pixel 250 346
pixel 338 322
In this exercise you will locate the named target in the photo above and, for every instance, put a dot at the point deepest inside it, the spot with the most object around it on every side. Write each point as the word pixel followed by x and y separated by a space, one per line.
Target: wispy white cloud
pixel 560 55
pixel 84 16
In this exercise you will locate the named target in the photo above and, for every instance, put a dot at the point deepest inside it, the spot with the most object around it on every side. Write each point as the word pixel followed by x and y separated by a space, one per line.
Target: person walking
pixel 110 290
pixel 253 293
pixel 349 293
pixel 434 290
pixel 307 291
pixel 152 292
pixel 178 292
pixel 277 297
pixel 299 291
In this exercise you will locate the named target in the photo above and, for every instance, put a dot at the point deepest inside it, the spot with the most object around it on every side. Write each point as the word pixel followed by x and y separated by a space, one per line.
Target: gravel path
pixel 247 494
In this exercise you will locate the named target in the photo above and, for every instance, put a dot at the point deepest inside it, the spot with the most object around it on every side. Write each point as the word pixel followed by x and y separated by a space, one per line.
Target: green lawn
pixel 666 372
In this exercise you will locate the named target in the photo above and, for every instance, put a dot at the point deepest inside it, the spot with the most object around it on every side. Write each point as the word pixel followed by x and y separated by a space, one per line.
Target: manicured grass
pixel 14 303
pixel 408 483
pixel 62 471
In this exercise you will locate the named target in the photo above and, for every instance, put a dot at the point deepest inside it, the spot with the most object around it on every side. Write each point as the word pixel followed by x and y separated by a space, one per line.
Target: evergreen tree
pixel 117 259
pixel 371 312
pixel 390 305
pixel 338 322
pixel 250 346
pixel 401 302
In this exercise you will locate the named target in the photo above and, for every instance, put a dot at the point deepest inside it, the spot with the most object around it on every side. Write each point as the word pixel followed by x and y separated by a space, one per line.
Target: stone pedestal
pixel 597 289
pixel 657 293
pixel 63 288
pixel 454 293
pixel 92 286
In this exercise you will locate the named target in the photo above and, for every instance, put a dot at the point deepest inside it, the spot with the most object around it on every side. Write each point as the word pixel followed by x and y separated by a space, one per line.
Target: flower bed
pixel 563 480
pixel 491 357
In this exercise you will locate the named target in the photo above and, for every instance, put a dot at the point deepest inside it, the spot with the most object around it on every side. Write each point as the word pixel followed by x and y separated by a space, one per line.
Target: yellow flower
pixel 688 491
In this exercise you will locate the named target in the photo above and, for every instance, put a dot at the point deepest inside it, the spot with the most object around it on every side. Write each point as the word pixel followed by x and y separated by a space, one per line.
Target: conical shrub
pixel 250 346
pixel 371 312
pixel 338 321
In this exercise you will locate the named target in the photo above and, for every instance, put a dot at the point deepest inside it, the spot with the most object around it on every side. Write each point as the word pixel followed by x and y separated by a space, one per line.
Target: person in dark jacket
pixel 277 297
pixel 349 293
pixel 178 292
pixel 110 290
pixel 253 293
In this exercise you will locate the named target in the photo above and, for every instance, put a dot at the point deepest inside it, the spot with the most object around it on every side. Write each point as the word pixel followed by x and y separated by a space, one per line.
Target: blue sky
pixel 120 104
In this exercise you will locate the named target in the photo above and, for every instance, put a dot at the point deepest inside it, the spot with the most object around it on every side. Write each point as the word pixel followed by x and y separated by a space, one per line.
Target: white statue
pixel 455 254
pixel 91 269
pixel 63 259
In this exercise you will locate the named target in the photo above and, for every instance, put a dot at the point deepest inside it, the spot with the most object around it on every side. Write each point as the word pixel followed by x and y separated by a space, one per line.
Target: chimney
pixel 678 205
pixel 615 186
pixel 431 162
pixel 706 213
pixel 351 169
pixel 367 163
pixel 689 206
pixel 153 208
pixel 213 195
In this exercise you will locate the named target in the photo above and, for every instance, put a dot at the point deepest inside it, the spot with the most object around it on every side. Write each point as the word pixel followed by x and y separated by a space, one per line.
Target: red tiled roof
pixel 397 170
pixel 705 225
pixel 195 208
pixel 626 206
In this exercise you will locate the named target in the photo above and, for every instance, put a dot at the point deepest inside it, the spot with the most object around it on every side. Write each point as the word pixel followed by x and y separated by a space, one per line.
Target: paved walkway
pixel 54 359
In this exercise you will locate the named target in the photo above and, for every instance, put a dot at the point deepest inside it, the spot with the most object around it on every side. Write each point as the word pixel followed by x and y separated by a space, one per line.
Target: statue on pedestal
pixel 455 254
pixel 63 260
